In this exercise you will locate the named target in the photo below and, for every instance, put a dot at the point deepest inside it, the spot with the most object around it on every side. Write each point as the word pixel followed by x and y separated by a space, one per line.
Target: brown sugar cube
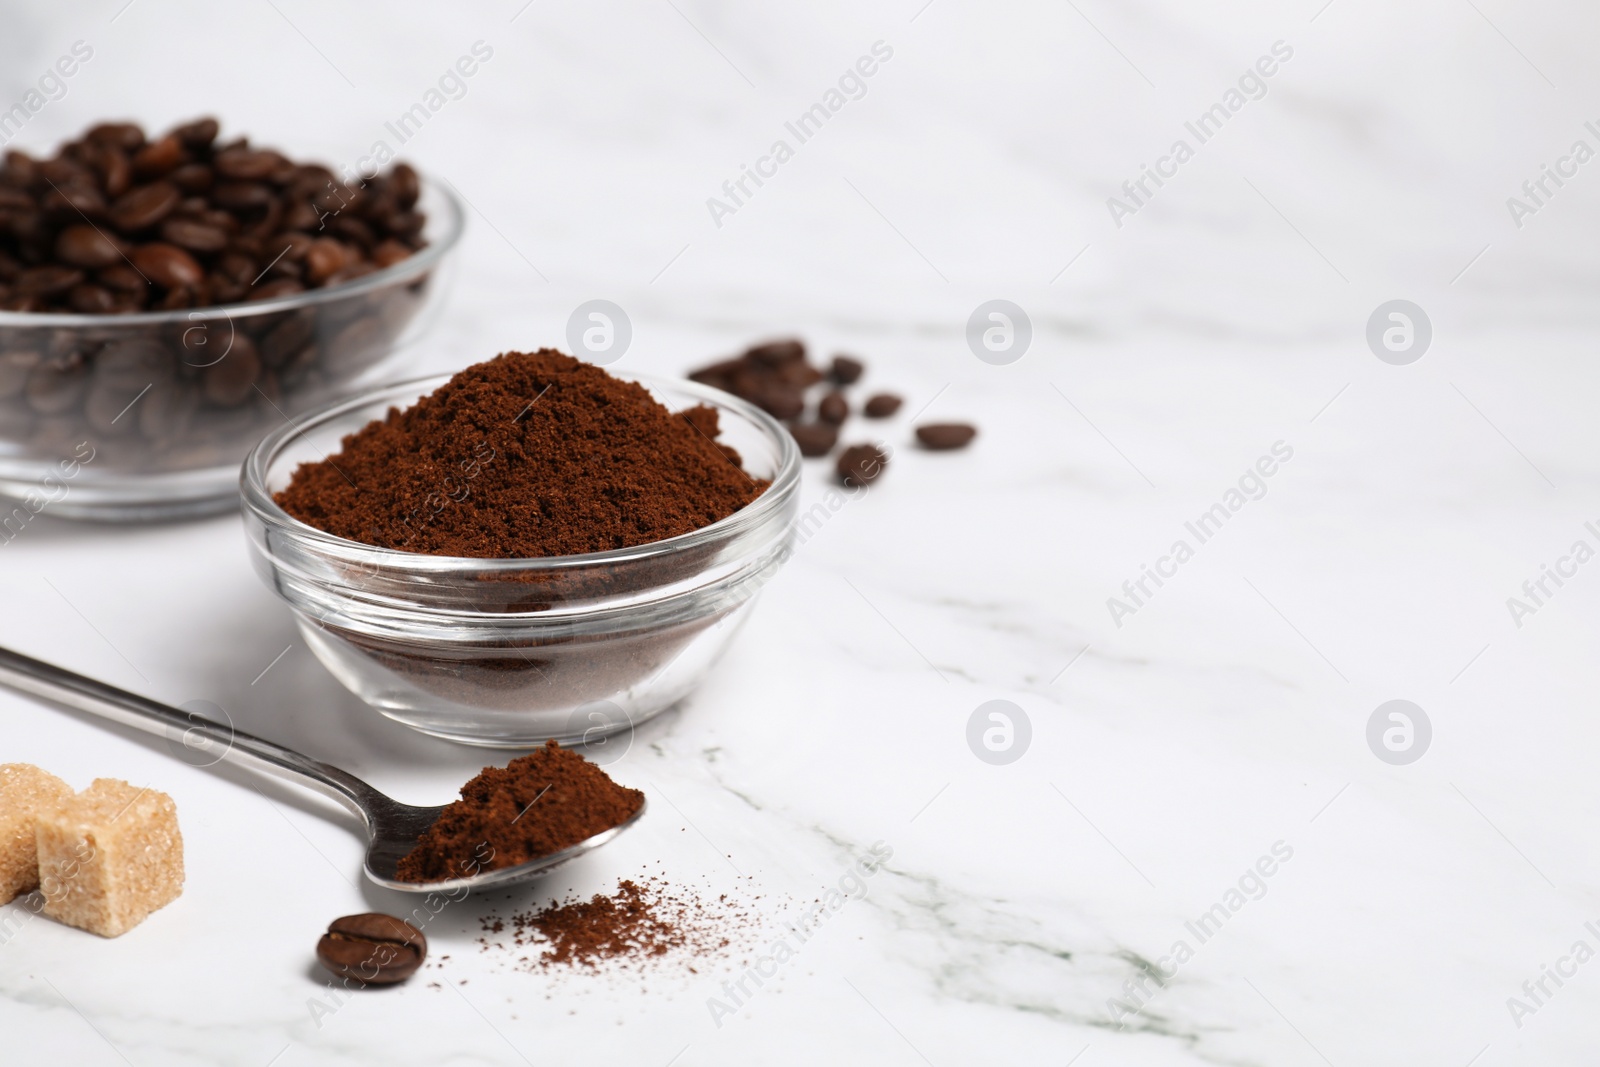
pixel 110 856
pixel 25 791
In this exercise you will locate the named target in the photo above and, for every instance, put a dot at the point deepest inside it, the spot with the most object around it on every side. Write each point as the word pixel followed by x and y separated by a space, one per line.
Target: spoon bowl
pixel 392 827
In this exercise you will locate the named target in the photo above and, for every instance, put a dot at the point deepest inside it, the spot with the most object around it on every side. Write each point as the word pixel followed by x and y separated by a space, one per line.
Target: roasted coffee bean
pixel 404 185
pixel 167 412
pixel 814 438
pixel 406 224
pixel 287 337
pixel 718 375
pixel 224 291
pixel 301 216
pixel 242 196
pixel 861 465
pixel 275 288
pixel 19 168
pixel 74 201
pixel 194 236
pixel 167 265
pixel 192 178
pixel 158 157
pixel 943 436
pixel 55 386
pixel 797 373
pixel 833 408
pixel 774 353
pixel 63 171
pixel 131 364
pixel 246 164
pixel 284 267
pixel 144 207
pixel 845 371
pixel 197 134
pixel 372 949
pixel 120 277
pixel 350 272
pixel 247 244
pixel 116 173
pixel 324 258
pixel 84 245
pixel 780 401
pixel 352 230
pixel 15 366
pixel 87 299
pixel 229 381
pixel 881 406
pixel 390 252
pixel 47 280
pixel 238 267
pixel 123 135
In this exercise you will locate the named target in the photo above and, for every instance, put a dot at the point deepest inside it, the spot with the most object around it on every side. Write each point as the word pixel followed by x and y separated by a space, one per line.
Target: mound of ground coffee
pixel 538 804
pixel 527 455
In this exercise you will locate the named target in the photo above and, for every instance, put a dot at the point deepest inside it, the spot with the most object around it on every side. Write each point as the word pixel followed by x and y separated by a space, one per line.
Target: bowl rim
pixel 425 259
pixel 257 499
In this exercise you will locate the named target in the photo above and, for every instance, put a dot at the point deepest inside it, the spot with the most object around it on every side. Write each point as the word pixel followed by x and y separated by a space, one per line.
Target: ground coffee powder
pixel 538 804
pixel 527 455
pixel 646 922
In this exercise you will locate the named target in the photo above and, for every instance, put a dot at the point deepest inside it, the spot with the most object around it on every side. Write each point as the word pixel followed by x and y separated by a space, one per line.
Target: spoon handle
pixel 199 741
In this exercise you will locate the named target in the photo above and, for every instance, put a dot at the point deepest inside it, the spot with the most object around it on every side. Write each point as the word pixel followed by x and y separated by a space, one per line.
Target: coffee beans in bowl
pixel 165 300
pixel 535 548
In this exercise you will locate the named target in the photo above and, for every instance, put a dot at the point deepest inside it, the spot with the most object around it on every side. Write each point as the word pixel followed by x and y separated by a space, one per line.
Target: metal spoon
pixel 392 827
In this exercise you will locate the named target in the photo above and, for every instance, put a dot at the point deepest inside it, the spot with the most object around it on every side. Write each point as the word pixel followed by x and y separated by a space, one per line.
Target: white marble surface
pixel 1226 715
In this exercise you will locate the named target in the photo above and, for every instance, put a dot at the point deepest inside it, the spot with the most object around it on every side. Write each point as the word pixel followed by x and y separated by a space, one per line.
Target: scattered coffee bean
pixel 772 375
pixel 881 406
pixel 814 438
pixel 372 949
pixel 845 370
pixel 781 401
pixel 943 436
pixel 860 465
pixel 833 408
pixel 777 353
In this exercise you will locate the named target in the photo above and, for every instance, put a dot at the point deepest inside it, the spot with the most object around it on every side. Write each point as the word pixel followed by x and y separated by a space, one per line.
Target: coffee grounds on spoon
pixel 525 456
pixel 539 804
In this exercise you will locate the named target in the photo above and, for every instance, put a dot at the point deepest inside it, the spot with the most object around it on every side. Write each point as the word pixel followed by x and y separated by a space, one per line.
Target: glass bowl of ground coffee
pixel 167 301
pixel 515 651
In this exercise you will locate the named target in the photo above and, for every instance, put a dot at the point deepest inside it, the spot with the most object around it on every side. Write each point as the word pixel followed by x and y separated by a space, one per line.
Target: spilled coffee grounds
pixel 538 804
pixel 526 455
pixel 644 921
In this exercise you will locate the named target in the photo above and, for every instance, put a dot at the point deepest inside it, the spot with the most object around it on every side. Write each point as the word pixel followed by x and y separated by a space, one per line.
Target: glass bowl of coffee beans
pixel 514 652
pixel 167 300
